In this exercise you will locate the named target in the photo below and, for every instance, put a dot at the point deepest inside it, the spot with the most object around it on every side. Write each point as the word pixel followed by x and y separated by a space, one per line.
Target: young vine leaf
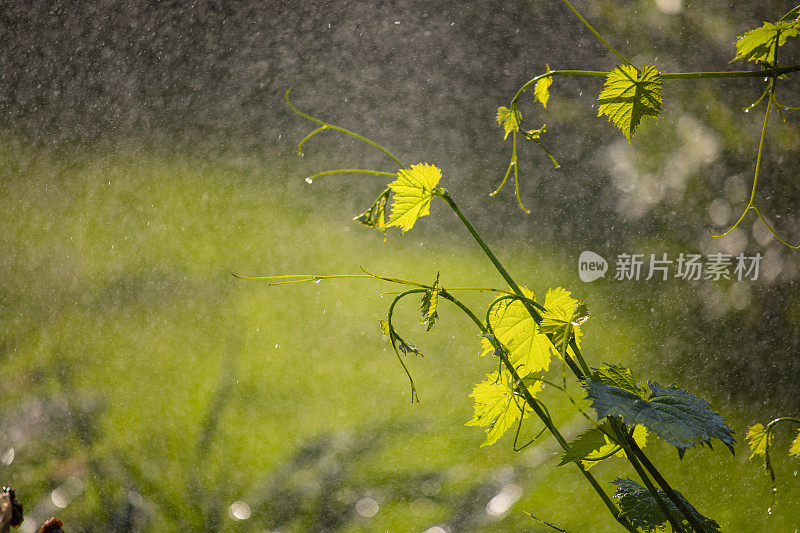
pixel 759 439
pixel 541 91
pixel 677 416
pixel 640 507
pixel 496 406
pixel 529 349
pixel 413 191
pixel 430 301
pixel 759 44
pixel 563 318
pixel 375 216
pixel 595 444
pixel 794 449
pixel 629 96
pixel 508 120
pixel 620 377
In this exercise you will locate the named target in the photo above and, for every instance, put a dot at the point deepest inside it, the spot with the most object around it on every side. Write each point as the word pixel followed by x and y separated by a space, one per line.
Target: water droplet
pixel 580 93
pixel 239 510
pixel 8 457
pixel 769 510
pixel 309 181
pixel 367 507
pixel 315 280
pixel 746 110
pixel 794 473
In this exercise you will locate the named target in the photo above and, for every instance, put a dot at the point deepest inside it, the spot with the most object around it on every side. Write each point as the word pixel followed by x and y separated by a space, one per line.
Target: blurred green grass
pixel 136 364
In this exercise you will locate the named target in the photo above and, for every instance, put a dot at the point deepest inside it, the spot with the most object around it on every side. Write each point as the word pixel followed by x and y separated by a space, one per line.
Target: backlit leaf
pixel 563 318
pixel 507 120
pixel 795 448
pixel 529 349
pixel 541 91
pixel 640 507
pixel 675 415
pixel 496 406
pixel 413 191
pixel 629 96
pixel 759 44
pixel 430 300
pixel 759 440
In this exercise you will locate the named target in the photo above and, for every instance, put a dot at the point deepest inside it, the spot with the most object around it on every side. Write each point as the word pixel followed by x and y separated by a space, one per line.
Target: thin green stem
pixel 758 165
pixel 765 73
pixel 596 34
pixel 307 137
pixel 444 195
pixel 775 233
pixel 340 129
pixel 783 418
pixel 349 171
pixel 393 337
pixel 788 13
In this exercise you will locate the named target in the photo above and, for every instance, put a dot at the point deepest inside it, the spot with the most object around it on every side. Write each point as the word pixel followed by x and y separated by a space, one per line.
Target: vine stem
pixel 349 171
pixel 783 418
pixel 533 403
pixel 621 436
pixel 673 496
pixel 337 128
pixel 596 34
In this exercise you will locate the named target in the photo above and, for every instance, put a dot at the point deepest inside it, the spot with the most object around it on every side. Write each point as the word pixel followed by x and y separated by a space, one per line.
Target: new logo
pixel 591 266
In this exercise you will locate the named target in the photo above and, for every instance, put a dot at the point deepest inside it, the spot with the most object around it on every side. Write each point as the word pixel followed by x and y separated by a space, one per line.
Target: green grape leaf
pixel 795 448
pixel 413 191
pixel 430 300
pixel 375 216
pixel 541 91
pixel 759 440
pixel 677 416
pixel 630 95
pixel 759 44
pixel 529 350
pixel 563 318
pixel 594 445
pixel 620 377
pixel 496 406
pixel 640 507
pixel 507 120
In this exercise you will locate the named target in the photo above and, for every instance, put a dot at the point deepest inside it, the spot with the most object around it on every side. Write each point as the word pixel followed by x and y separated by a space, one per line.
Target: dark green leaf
pixel 677 416
pixel 640 507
